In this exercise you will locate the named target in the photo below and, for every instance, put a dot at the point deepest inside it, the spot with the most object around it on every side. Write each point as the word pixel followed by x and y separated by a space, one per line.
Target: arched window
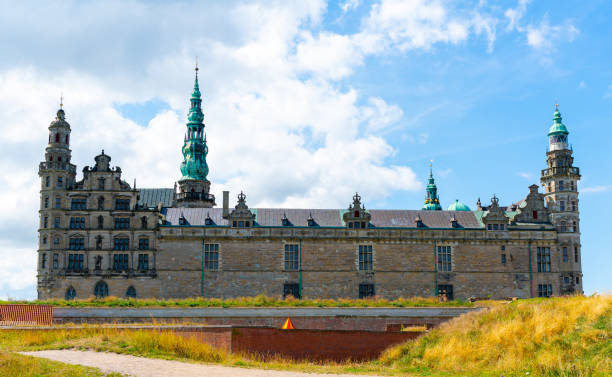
pixel 67 139
pixel 131 292
pixel 101 289
pixel 70 293
pixel 100 222
pixel 59 158
pixel 57 138
pixel 101 202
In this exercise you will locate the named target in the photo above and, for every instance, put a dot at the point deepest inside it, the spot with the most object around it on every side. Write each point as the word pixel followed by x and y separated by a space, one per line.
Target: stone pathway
pixel 144 367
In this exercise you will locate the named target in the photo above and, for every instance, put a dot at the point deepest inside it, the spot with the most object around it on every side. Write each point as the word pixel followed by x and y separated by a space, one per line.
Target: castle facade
pixel 99 236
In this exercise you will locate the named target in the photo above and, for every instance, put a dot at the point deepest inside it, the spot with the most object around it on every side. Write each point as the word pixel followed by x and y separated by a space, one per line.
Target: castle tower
pixel 194 187
pixel 560 182
pixel 432 202
pixel 57 175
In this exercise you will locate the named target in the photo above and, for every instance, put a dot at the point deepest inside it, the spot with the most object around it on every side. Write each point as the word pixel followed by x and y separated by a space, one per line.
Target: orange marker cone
pixel 288 325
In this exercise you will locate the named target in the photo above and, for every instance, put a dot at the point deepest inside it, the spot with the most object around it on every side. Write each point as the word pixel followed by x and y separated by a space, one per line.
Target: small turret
pixel 432 202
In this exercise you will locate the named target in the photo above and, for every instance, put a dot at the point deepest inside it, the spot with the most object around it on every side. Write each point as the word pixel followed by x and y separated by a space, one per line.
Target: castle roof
pixel 381 218
pixel 150 197
pixel 458 206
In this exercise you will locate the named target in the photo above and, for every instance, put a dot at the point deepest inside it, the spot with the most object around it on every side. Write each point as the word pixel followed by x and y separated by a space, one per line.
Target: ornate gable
pixel 357 217
pixel 532 208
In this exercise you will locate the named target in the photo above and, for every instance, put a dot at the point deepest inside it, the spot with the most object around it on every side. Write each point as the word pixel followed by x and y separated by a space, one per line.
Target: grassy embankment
pixel 14 365
pixel 258 301
pixel 537 337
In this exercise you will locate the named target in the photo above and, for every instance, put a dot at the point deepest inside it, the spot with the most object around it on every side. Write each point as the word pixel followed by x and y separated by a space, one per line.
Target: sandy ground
pixel 144 367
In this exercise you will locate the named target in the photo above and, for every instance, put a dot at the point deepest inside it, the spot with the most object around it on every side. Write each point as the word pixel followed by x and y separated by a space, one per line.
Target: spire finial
pixel 61 100
pixel 196 67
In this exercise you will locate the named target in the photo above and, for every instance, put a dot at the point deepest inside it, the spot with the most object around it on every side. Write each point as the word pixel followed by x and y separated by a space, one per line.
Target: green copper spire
pixel 432 202
pixel 194 164
pixel 557 128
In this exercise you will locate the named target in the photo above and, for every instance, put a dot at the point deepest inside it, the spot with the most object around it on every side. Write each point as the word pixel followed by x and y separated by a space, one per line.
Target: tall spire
pixel 432 202
pixel 194 166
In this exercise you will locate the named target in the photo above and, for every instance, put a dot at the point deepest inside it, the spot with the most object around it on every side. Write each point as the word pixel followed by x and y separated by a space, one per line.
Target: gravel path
pixel 144 367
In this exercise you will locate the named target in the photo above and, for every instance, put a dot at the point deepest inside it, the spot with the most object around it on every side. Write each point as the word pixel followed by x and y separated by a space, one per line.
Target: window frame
pixel 365 257
pixel 211 256
pixel 291 257
pixel 366 290
pixel 543 260
pixel 444 258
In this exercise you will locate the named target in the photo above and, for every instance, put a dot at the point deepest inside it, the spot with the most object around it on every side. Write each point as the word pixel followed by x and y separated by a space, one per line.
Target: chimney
pixel 225 204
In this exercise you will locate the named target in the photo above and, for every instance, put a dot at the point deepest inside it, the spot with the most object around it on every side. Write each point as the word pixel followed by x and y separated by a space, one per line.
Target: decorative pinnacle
pixel 196 67
pixel 61 100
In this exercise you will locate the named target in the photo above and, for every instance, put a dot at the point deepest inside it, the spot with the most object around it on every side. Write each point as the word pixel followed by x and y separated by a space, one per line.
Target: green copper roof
pixel 194 150
pixel 458 206
pixel 432 202
pixel 557 128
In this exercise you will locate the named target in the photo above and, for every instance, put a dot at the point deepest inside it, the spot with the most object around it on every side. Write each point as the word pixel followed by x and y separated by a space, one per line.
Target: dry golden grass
pixel 14 365
pixel 569 336
pixel 557 337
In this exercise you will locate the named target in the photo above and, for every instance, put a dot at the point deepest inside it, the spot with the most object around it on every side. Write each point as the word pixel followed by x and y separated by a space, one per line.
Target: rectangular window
pixel 211 257
pixel 47 181
pixel 43 262
pixel 444 258
pixel 565 257
pixel 572 186
pixel 55 261
pixel 143 262
pixel 291 289
pixel 77 223
pixel 78 204
pixel 576 256
pixel 45 222
pixel 366 290
pixel 122 204
pixel 60 182
pixel 446 291
pixel 562 205
pixel 573 206
pixel 561 186
pixel 77 244
pixel 503 259
pixel 56 223
pixel 75 262
pixel 291 257
pixel 566 280
pixel 100 183
pixel 365 258
pixel 543 259
pixel 120 262
pixel 544 290
pixel 46 202
pixel 122 223
pixel 495 226
pixel 58 202
pixel 121 244
pixel 143 244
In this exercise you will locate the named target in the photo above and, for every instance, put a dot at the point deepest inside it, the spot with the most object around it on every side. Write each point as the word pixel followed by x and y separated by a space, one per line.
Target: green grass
pixel 15 365
pixel 258 301
pixel 559 337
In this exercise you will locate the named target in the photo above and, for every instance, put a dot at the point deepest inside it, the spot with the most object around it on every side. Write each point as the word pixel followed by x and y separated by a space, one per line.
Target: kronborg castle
pixel 100 236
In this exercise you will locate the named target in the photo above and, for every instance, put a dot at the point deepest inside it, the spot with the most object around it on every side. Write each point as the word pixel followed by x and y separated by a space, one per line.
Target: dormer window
pixel 356 217
pixel 454 223
pixel 182 220
pixel 418 222
pixel 208 221
pixel 285 220
pixel 310 220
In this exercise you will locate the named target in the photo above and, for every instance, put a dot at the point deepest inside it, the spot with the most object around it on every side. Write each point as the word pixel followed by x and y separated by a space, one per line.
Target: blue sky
pixel 307 102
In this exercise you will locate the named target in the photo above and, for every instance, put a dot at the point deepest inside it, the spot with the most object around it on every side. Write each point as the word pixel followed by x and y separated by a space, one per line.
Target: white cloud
pixel 514 15
pixel 525 175
pixel 596 189
pixel 542 37
pixel 349 5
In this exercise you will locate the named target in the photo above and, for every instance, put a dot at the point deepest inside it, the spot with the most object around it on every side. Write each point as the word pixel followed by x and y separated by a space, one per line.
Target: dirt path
pixel 144 367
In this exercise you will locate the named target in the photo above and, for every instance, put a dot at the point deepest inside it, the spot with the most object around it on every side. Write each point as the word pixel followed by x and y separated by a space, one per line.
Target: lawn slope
pixel 568 336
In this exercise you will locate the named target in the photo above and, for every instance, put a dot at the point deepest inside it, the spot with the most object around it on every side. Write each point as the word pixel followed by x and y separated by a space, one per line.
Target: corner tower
pixel 194 187
pixel 560 181
pixel 432 202
pixel 57 175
